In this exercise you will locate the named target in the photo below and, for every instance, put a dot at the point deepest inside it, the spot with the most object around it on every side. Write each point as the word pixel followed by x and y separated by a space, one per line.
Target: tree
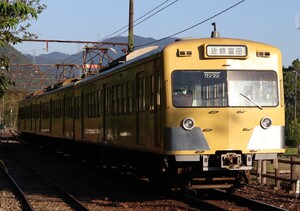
pixel 14 17
pixel 293 133
pixel 291 95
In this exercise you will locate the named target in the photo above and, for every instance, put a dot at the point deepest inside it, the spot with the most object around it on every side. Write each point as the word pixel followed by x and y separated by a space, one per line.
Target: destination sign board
pixel 226 51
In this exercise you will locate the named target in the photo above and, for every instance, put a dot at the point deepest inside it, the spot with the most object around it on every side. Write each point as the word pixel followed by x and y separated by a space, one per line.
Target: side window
pixel 98 103
pixel 45 110
pixel 29 112
pixel 129 96
pixel 77 107
pixel 93 104
pixel 57 108
pixel 71 107
pixel 152 93
pixel 89 110
pixel 142 92
pixel 124 98
pixel 120 97
pixel 114 99
pixel 107 98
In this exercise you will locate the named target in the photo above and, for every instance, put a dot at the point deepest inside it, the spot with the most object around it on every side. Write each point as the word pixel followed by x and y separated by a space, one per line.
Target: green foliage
pixel 4 82
pixel 9 108
pixel 292 110
pixel 14 17
pixel 293 133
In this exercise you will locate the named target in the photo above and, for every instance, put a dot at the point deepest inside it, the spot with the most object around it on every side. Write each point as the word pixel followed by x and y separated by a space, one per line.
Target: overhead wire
pixel 69 61
pixel 76 59
pixel 145 17
pixel 186 29
pixel 109 40
pixel 195 25
pixel 125 27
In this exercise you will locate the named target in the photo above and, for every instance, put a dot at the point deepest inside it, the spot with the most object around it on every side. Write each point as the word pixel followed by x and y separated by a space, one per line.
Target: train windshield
pixel 224 88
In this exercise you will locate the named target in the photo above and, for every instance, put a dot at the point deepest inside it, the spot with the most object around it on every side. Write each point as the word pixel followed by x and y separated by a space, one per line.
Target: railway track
pixel 211 199
pixel 219 200
pixel 202 200
pixel 34 190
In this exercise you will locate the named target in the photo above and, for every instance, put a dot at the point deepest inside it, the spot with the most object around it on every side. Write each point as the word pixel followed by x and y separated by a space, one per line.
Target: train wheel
pixel 154 175
pixel 157 174
pixel 185 179
pixel 241 180
pixel 248 177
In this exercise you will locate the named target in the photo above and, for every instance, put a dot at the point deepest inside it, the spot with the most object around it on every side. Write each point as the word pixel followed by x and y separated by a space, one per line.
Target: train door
pixel 155 111
pixel 77 117
pixel 68 114
pixel 142 113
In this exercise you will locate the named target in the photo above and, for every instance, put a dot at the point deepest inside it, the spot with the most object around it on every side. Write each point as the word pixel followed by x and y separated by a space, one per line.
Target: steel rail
pixel 22 196
pixel 250 203
pixel 75 203
pixel 215 199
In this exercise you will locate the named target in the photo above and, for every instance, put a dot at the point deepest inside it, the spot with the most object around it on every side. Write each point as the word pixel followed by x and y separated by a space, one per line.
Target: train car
pixel 196 113
pixel 27 115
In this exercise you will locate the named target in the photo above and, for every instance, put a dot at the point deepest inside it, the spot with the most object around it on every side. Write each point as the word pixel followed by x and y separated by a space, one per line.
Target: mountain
pixel 28 77
pixel 22 73
pixel 62 58
pixel 58 57
pixel 14 55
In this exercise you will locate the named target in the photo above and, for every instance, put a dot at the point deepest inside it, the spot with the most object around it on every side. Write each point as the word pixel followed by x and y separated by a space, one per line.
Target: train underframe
pixel 193 175
pixel 162 170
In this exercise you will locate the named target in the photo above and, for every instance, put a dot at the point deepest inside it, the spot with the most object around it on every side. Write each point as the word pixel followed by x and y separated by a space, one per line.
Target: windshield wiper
pixel 258 106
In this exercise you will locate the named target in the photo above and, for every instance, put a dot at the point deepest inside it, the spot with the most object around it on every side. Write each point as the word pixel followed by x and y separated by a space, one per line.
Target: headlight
pixel 188 123
pixel 265 122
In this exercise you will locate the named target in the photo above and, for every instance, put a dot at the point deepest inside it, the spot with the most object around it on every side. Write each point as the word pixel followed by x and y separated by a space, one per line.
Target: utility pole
pixel 130 28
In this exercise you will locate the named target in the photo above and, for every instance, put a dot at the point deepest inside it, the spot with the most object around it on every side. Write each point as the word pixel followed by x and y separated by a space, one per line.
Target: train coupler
pixel 231 161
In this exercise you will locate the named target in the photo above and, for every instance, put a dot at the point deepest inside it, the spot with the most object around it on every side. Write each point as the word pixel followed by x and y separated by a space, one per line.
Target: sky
pixel 274 22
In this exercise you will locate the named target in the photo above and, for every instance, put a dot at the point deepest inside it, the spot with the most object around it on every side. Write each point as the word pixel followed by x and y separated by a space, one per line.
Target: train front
pixel 224 108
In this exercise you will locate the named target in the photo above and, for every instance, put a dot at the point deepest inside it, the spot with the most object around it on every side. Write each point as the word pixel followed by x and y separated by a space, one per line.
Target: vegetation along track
pixel 35 190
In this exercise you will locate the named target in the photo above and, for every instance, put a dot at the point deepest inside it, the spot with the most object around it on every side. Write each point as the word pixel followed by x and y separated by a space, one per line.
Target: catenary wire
pixel 125 27
pixel 172 35
pixel 76 59
pixel 195 25
pixel 109 40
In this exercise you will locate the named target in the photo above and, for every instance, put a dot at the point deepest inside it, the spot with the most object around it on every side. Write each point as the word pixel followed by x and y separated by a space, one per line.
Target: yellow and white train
pixel 195 113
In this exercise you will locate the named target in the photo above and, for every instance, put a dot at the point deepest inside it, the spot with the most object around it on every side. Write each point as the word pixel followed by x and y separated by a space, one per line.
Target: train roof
pixel 140 52
pixel 144 53
pixel 133 57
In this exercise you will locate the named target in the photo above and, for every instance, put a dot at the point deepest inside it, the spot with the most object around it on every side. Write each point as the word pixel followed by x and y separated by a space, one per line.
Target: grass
pixel 291 152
